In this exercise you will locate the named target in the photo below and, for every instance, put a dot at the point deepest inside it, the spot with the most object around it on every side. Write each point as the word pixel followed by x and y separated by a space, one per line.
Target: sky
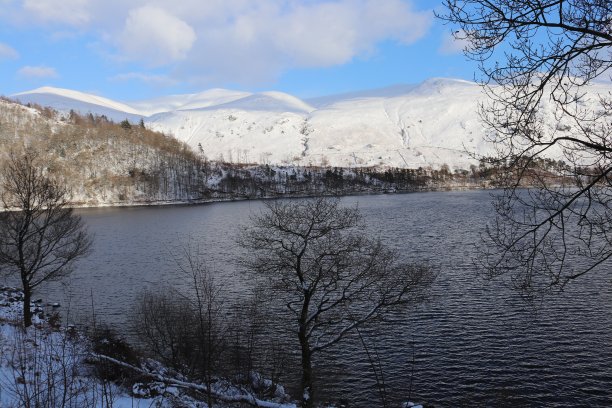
pixel 136 49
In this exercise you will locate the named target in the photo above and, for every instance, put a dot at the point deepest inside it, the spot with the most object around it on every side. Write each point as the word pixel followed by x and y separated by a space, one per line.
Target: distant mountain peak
pixel 448 81
pixel 61 99
pixel 270 101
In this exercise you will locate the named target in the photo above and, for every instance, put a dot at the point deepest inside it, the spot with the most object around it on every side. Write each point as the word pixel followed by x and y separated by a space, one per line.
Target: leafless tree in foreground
pixel 186 328
pixel 533 55
pixel 40 237
pixel 329 275
pixel 207 303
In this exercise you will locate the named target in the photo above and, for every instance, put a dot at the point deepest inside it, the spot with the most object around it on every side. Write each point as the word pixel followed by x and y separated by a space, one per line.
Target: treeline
pixel 263 181
pixel 535 172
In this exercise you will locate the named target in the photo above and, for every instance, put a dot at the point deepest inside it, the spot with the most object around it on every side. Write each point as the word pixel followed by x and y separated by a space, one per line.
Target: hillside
pixel 102 162
pixel 105 163
pixel 409 126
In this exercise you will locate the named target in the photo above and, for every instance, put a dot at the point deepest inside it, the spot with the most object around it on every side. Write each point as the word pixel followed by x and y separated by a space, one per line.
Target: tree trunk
pixel 307 388
pixel 27 311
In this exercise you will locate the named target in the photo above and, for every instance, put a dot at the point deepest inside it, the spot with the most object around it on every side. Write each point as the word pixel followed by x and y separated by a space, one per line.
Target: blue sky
pixel 137 49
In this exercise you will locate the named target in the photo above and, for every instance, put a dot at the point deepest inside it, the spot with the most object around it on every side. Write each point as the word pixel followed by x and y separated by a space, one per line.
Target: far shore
pixel 164 203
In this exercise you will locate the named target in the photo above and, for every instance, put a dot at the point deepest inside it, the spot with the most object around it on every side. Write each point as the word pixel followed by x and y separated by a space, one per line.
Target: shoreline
pixel 178 203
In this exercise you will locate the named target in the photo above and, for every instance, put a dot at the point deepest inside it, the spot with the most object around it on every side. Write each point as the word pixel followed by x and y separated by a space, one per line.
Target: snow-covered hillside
pixel 65 100
pixel 429 124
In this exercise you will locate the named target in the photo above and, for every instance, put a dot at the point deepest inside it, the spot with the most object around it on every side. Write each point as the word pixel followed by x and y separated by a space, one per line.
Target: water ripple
pixel 473 343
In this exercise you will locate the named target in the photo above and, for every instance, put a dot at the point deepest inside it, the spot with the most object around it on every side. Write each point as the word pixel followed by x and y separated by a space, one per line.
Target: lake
pixel 474 343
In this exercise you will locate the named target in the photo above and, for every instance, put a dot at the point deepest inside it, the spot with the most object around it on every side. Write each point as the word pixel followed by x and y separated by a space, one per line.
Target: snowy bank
pixel 51 366
pixel 47 365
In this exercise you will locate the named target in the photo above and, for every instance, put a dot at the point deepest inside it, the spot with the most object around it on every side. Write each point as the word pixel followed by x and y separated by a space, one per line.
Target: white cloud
pixel 236 40
pixel 157 80
pixel 261 42
pixel 7 52
pixel 333 33
pixel 453 44
pixel 71 12
pixel 37 72
pixel 155 36
pixel 64 35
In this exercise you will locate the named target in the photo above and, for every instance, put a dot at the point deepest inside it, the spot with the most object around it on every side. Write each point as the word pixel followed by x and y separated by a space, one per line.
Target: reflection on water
pixel 473 343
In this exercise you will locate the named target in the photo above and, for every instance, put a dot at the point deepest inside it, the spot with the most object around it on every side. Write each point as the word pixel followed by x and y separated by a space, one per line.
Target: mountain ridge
pixel 430 124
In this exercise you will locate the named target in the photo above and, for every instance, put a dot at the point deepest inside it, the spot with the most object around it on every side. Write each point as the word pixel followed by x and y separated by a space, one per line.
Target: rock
pixel 152 389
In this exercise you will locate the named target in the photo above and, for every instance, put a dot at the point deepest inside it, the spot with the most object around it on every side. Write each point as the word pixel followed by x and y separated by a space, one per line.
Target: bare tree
pixel 186 328
pixel 207 305
pixel 331 278
pixel 536 57
pixel 164 324
pixel 40 237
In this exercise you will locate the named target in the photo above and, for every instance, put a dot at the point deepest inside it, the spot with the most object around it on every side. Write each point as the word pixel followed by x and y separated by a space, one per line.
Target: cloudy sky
pixel 135 49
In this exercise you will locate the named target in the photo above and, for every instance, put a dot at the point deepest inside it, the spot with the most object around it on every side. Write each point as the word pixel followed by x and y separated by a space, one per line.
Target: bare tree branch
pixel 40 237
pixel 331 277
pixel 538 57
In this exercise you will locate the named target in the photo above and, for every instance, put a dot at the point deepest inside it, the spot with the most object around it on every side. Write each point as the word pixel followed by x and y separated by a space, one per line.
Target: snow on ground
pixel 50 366
pixel 64 100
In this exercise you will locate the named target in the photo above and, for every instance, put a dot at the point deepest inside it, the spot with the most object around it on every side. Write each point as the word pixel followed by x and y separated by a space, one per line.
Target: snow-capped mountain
pixel 65 100
pixel 429 124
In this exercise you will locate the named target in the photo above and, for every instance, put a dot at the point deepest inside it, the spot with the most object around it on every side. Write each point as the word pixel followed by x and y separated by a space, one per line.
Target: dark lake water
pixel 474 343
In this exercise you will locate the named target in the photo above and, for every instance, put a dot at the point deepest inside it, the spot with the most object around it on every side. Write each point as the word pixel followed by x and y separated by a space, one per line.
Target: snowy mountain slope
pixel 79 96
pixel 240 136
pixel 268 102
pixel 387 92
pixel 429 124
pixel 65 100
pixel 432 124
pixel 211 97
